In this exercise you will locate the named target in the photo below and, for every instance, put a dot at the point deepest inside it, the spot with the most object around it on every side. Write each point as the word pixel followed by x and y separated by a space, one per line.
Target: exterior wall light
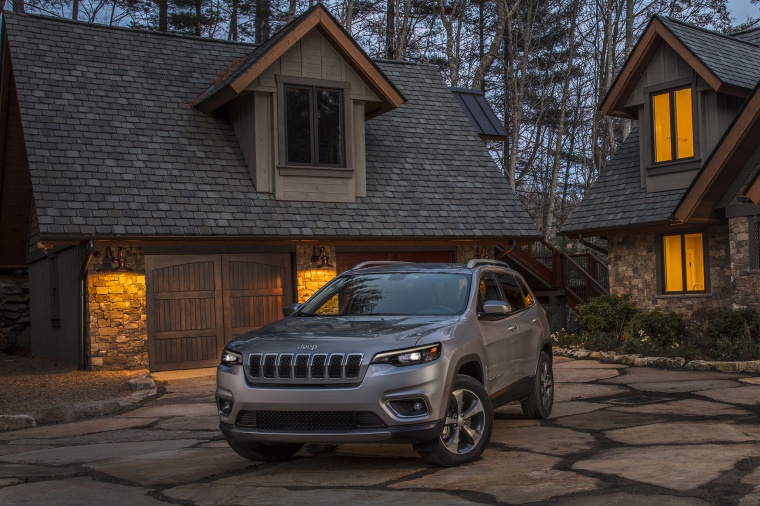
pixel 320 255
pixel 108 260
pixel 121 259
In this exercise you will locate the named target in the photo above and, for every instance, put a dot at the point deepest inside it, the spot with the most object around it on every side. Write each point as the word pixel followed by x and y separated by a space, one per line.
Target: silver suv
pixel 396 352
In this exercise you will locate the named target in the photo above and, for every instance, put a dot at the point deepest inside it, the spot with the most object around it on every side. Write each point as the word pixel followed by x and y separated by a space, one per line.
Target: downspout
pixel 84 344
pixel 592 245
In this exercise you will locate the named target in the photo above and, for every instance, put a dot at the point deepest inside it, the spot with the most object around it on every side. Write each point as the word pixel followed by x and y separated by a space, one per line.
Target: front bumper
pixel 380 385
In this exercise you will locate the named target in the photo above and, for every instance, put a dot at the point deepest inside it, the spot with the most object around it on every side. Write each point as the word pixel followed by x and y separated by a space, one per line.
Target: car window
pixel 488 289
pixel 395 293
pixel 512 292
pixel 527 296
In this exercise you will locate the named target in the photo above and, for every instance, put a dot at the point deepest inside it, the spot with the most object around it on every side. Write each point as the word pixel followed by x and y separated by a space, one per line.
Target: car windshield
pixel 397 294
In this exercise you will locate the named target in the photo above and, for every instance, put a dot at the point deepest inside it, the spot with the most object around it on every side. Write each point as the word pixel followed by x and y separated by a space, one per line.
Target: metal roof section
pixel 480 113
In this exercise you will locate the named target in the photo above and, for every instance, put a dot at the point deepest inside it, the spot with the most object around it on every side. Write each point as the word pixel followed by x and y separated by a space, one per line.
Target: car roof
pixel 449 268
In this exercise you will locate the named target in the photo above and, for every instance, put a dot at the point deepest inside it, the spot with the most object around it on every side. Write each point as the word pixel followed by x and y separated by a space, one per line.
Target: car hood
pixel 345 334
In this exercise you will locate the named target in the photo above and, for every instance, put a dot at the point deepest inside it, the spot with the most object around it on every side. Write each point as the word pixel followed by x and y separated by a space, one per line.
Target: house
pixel 170 192
pixel 678 200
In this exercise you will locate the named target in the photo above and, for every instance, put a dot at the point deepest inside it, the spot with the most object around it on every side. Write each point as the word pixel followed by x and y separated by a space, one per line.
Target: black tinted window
pixel 526 293
pixel 488 289
pixel 298 124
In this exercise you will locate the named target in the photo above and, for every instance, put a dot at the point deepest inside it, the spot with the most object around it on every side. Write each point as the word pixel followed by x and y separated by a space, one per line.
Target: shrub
pixel 740 348
pixel 608 313
pixel 565 339
pixel 601 341
pixel 732 324
pixel 657 330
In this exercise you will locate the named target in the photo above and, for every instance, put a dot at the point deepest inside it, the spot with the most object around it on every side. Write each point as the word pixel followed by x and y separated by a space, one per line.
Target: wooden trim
pixel 641 57
pixel 716 176
pixel 347 47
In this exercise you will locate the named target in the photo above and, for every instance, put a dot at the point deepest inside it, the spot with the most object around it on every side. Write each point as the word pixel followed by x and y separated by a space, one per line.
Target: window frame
pixel 294 168
pixel 660 271
pixel 670 88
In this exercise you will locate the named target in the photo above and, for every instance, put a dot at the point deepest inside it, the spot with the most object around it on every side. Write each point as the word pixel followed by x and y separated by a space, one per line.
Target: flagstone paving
pixel 618 435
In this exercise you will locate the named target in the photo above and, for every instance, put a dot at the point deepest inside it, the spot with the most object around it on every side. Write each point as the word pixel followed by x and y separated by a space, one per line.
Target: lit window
pixel 673 125
pixel 314 126
pixel 683 263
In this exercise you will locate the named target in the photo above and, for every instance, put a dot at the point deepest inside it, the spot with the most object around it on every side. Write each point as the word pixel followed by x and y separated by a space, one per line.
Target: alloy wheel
pixel 465 422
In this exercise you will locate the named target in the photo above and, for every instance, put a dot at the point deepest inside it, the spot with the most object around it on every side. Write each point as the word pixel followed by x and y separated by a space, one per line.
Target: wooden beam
pixel 657 34
pixel 717 175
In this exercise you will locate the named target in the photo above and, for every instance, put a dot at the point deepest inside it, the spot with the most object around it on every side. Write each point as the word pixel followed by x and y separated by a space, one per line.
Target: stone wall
pixel 743 275
pixel 633 269
pixel 309 279
pixel 118 313
pixel 465 253
pixel 14 311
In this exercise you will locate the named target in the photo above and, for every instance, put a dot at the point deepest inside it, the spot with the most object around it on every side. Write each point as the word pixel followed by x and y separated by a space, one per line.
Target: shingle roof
pixel 733 60
pixel 113 148
pixel 752 36
pixel 617 199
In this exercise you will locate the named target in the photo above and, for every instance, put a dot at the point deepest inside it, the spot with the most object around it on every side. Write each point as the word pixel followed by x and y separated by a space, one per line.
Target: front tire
pixel 539 403
pixel 266 452
pixel 467 428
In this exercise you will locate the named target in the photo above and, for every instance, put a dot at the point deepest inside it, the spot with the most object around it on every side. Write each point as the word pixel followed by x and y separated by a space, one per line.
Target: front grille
pixel 304 368
pixel 309 421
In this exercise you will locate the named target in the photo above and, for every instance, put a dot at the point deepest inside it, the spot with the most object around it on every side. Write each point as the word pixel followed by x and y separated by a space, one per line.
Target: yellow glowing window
pixel 683 263
pixel 673 125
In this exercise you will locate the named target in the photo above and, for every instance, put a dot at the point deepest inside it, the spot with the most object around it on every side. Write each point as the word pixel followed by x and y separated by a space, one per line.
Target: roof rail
pixel 485 261
pixel 373 263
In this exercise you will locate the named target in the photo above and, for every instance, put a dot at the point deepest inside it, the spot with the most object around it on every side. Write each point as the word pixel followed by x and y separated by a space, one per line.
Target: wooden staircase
pixel 558 279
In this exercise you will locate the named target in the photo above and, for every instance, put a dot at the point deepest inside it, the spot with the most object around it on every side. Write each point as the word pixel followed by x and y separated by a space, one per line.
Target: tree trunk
pixel 198 17
pixel 390 29
pixel 292 10
pixel 263 14
pixel 18 6
pixel 349 19
pixel 75 10
pixel 233 31
pixel 548 223
pixel 163 15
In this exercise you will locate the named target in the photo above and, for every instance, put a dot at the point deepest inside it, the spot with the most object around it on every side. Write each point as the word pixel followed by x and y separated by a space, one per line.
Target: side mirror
pixel 290 309
pixel 496 308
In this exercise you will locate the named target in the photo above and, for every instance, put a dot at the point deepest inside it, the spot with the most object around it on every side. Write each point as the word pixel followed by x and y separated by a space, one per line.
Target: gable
pixel 313 57
pixel 242 73
pixel 666 66
pixel 724 64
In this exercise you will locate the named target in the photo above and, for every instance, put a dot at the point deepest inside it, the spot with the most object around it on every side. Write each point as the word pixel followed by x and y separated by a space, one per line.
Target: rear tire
pixel 266 452
pixel 539 403
pixel 467 428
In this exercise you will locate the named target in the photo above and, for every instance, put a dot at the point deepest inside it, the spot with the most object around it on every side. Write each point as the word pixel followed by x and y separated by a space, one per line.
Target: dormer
pixel 298 105
pixel 680 84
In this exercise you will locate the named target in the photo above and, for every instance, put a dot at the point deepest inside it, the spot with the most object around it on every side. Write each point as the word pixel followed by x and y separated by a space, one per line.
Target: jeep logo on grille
pixel 310 347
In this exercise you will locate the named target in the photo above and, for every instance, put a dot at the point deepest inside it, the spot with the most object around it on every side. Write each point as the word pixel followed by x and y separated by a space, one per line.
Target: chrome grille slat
pixel 304 368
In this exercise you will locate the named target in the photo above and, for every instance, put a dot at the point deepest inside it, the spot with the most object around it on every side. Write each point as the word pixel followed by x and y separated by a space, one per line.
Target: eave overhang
pixel 698 204
pixel 656 34
pixel 319 18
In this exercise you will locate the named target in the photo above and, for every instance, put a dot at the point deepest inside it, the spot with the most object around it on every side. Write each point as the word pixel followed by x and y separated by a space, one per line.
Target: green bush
pixel 608 313
pixel 732 324
pixel 656 331
pixel 601 341
pixel 740 348
pixel 565 339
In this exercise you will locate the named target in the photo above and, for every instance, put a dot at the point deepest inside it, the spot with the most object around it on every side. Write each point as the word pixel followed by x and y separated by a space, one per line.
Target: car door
pixel 500 333
pixel 521 350
pixel 534 326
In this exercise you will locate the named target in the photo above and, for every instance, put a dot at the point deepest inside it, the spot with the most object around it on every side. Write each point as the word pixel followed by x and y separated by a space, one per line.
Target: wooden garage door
pixel 196 304
pixel 346 261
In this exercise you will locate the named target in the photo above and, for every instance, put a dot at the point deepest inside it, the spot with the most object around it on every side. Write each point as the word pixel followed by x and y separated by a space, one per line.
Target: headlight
pixel 230 358
pixel 410 356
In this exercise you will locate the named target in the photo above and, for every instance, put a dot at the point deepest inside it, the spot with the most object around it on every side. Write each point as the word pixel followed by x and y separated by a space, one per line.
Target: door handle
pixel 535 320
pixel 512 327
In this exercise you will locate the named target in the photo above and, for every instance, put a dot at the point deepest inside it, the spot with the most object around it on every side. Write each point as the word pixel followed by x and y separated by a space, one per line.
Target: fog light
pixel 409 407
pixel 224 405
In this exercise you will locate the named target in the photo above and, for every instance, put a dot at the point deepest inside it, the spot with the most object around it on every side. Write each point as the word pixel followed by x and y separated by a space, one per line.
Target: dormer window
pixel 314 126
pixel 673 125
